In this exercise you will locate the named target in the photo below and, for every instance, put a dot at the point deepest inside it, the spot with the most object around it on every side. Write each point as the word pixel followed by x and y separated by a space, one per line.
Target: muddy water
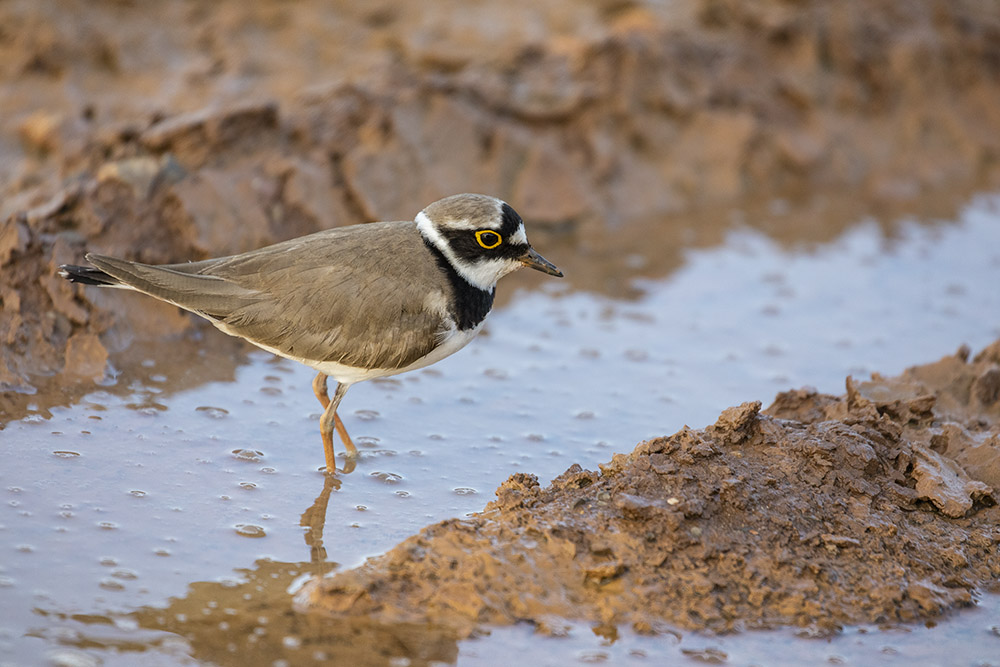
pixel 157 518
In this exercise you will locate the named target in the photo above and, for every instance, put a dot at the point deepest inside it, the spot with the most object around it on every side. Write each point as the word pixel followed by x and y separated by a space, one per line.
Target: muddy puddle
pixel 169 512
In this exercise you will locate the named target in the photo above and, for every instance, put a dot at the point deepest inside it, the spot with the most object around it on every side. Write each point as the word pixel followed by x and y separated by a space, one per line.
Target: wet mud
pixel 180 131
pixel 877 506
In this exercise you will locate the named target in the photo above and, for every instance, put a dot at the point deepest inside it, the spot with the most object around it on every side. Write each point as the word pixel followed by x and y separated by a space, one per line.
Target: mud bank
pixel 181 131
pixel 873 507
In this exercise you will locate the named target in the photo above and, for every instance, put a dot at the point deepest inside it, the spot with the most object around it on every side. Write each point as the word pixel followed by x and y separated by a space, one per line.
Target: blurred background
pixel 179 130
pixel 746 196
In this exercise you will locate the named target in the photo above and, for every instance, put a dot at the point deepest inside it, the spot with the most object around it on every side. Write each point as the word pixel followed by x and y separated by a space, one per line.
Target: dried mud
pixel 878 506
pixel 183 130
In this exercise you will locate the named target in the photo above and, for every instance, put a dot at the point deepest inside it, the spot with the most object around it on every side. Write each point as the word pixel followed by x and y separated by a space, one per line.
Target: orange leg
pixel 331 420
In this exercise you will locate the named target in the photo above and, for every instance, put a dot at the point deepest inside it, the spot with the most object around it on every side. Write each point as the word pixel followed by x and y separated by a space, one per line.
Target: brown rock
pixel 225 212
pixel 710 154
pixel 196 137
pixel 85 355
pixel 548 189
pixel 13 239
pixel 945 484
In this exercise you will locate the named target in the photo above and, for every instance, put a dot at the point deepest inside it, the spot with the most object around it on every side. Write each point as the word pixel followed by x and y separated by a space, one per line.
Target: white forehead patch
pixel 519 236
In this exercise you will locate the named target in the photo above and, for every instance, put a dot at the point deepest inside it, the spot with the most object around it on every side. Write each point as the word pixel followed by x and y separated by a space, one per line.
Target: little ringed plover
pixel 353 303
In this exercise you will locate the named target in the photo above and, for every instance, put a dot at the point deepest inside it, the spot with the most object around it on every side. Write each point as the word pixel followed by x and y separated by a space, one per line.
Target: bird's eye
pixel 488 238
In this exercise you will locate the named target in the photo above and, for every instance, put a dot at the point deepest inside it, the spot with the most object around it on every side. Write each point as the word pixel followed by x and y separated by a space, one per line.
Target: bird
pixel 353 303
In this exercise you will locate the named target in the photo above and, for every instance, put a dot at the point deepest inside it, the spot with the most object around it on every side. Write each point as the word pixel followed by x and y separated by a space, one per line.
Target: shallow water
pixel 157 518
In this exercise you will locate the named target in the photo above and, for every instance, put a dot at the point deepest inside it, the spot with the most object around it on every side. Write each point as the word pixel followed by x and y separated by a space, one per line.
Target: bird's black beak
pixel 535 261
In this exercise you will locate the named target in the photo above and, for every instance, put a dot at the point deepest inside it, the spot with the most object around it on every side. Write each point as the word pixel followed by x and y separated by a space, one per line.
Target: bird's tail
pixel 88 275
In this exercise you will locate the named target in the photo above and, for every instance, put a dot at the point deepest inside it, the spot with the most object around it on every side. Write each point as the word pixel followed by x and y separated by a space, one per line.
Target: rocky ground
pixel 178 131
pixel 878 506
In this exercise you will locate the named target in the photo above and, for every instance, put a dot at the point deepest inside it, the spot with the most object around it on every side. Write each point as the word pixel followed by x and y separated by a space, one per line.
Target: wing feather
pixel 356 295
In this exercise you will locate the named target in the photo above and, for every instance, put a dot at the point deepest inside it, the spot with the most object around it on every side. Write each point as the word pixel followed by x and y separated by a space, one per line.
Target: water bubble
pixel 464 491
pixel 212 412
pixel 107 525
pixel 137 493
pixel 634 354
pixel 125 574
pixel 249 486
pixel 387 477
pixel 63 454
pixel 366 415
pixel 249 530
pixel 110 584
pixel 709 655
pixel 161 552
pixel 108 561
pixel 251 455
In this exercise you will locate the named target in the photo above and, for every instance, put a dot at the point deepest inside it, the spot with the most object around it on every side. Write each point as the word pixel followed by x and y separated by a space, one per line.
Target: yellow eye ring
pixel 488 238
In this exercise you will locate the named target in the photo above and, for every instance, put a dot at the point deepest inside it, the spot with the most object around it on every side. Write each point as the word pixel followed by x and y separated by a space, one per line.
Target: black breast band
pixel 470 304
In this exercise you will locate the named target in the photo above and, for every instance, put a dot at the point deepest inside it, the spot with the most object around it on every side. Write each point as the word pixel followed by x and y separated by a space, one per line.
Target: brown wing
pixel 355 295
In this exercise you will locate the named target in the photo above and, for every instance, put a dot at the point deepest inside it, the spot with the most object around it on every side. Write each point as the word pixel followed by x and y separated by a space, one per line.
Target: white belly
pixel 454 342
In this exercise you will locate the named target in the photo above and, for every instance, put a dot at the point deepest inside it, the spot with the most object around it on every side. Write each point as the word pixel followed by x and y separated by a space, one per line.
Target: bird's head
pixel 482 237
